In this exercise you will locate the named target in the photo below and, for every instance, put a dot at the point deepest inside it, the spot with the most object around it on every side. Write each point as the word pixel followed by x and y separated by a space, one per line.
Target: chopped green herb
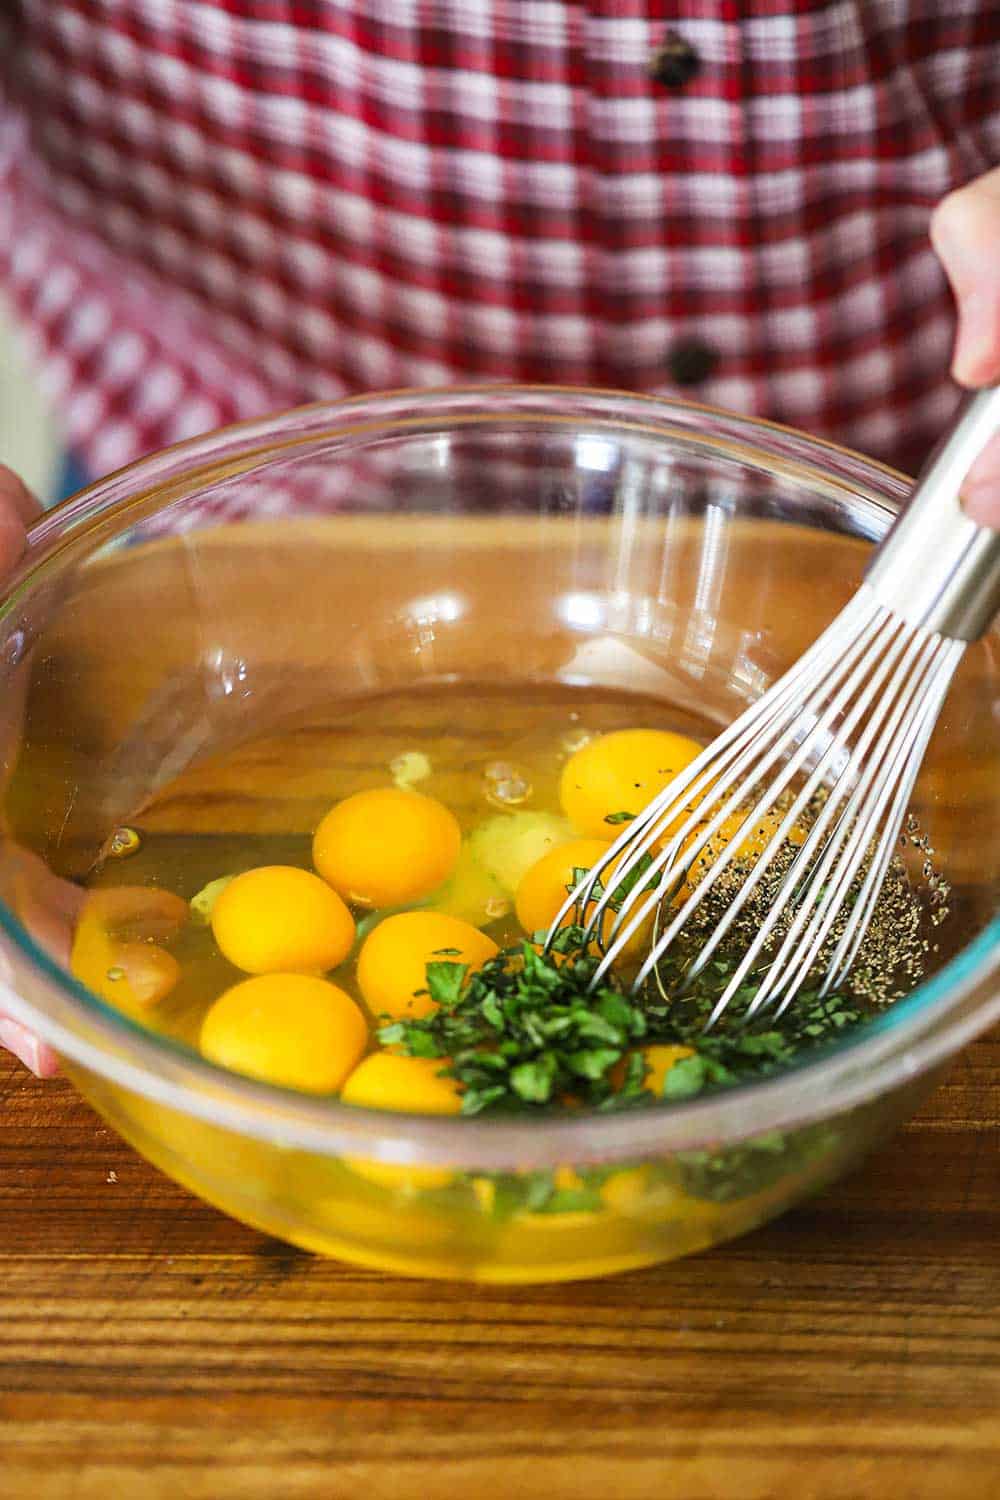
pixel 528 1030
pixel 532 1081
pixel 203 903
pixel 525 1030
pixel 620 817
pixel 686 1077
pixel 754 1166
pixel 444 982
pixel 572 1201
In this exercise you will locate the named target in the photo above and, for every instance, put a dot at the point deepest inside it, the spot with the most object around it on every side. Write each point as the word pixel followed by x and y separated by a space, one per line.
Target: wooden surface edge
pixel 150 1347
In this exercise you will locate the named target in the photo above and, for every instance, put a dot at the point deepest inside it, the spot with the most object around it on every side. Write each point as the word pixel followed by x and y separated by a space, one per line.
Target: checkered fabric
pixel 209 210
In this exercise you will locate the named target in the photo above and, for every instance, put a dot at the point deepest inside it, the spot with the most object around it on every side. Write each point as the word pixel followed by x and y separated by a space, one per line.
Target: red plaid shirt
pixel 209 210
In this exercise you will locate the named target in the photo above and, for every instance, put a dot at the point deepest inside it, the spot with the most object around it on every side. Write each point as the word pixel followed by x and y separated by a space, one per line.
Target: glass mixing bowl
pixel 510 536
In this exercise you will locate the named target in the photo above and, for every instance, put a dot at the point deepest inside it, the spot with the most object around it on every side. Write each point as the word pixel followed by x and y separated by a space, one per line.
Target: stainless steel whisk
pixel 848 724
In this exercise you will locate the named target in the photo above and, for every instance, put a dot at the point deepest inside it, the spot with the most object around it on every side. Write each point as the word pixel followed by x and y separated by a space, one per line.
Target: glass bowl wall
pixel 511 536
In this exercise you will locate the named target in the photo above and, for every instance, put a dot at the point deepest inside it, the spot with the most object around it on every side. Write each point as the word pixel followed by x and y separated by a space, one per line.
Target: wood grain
pixel 149 1347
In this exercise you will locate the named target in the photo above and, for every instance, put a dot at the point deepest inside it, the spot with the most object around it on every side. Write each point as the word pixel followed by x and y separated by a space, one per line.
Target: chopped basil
pixel 527 1031
pixel 444 982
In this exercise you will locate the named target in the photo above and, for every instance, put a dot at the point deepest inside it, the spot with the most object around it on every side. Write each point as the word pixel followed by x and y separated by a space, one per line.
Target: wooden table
pixel 150 1347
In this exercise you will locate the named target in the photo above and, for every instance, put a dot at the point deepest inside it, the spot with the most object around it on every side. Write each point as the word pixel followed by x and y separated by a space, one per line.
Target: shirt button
pixel 691 362
pixel 675 62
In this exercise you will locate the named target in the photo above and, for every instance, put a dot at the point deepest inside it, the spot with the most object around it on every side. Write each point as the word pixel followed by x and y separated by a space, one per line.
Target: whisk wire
pixel 845 953
pixel 834 745
pixel 818 846
pixel 720 775
pixel 804 799
pixel 704 770
pixel 868 646
pixel 830 881
pixel 884 687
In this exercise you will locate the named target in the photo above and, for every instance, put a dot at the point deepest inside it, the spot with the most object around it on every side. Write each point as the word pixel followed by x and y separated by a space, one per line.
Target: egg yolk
pixel 386 847
pixel 416 1085
pixel 750 847
pixel 659 1058
pixel 626 1191
pixel 412 1084
pixel 133 975
pixel 295 1030
pixel 114 952
pixel 281 919
pixel 392 964
pixel 620 772
pixel 547 885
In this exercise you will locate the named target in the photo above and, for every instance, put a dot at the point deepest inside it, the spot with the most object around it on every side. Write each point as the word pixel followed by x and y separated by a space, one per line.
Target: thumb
pixel 965 232
pixel 35 1055
pixel 18 509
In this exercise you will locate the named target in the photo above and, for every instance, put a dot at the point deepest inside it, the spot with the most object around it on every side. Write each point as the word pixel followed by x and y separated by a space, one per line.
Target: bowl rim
pixel 913 1036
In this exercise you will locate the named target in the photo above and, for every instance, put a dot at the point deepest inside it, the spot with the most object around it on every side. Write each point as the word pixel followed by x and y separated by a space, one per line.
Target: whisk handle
pixel 936 568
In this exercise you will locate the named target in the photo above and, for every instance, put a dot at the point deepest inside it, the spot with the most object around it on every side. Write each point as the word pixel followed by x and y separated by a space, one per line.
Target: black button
pixel 691 361
pixel 675 62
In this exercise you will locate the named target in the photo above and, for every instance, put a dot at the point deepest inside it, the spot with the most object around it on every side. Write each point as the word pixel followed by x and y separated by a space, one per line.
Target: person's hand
pixel 49 908
pixel 965 232
pixel 18 508
pixel 91 932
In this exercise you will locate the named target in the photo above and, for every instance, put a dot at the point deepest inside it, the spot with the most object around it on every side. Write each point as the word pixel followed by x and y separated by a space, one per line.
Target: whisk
pixel 834 747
